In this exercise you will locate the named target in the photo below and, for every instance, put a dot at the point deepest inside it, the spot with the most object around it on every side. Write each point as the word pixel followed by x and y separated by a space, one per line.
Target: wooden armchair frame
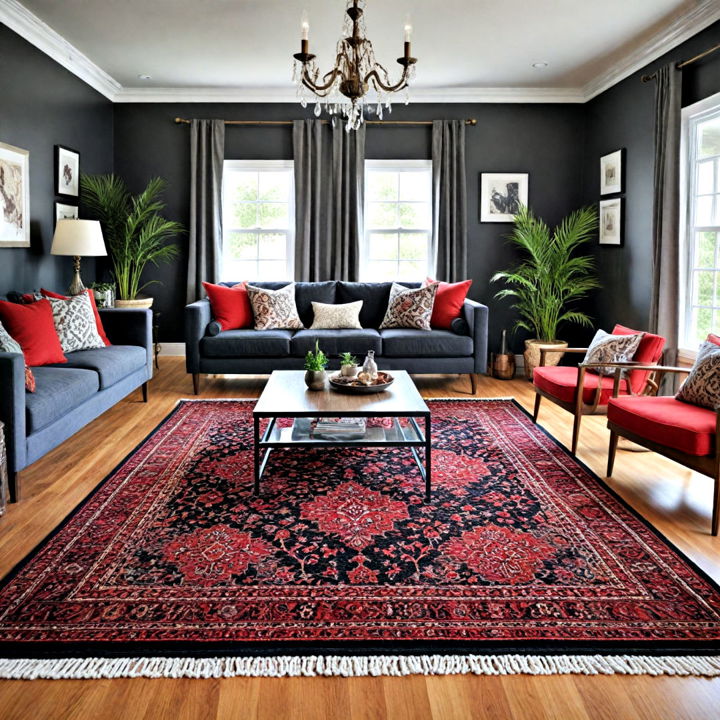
pixel 578 407
pixel 706 464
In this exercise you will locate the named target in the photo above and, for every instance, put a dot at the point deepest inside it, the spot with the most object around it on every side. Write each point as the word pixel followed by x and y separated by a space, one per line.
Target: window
pixel 398 220
pixel 258 220
pixel 701 141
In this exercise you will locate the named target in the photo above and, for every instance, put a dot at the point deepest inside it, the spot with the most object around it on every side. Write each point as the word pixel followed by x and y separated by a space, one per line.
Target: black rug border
pixel 199 649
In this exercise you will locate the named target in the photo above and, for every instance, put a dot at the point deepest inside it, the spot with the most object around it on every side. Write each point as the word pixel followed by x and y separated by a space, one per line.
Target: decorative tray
pixel 353 385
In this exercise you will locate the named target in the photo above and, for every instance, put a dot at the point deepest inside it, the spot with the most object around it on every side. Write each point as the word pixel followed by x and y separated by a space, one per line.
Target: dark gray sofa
pixel 70 395
pixel 248 351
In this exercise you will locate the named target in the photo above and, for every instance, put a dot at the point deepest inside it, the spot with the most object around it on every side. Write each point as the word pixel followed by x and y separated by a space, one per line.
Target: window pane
pixel 709 136
pixel 705 250
pixel 414 215
pixel 272 270
pixel 704 288
pixel 241 246
pixel 380 271
pixel 413 247
pixel 412 271
pixel 415 186
pixel 704 211
pixel 383 246
pixel 273 246
pixel 244 215
pixel 274 186
pixel 382 215
pixel 274 215
pixel 243 186
pixel 382 185
pixel 705 177
pixel 239 270
pixel 703 324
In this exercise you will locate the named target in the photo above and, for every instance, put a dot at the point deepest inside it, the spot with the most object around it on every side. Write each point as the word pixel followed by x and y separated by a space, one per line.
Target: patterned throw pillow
pixel 702 386
pixel 275 309
pixel 611 348
pixel 75 323
pixel 332 317
pixel 410 308
pixel 8 345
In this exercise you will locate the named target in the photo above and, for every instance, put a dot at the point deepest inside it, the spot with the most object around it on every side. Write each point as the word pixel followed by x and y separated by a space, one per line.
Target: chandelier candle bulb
pixel 305 28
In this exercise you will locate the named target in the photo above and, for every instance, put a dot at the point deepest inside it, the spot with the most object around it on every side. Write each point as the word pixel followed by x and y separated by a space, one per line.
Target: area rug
pixel 523 561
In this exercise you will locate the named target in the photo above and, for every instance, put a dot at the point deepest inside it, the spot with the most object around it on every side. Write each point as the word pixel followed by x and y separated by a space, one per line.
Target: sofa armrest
pixel 197 318
pixel 476 316
pixel 129 326
pixel 12 408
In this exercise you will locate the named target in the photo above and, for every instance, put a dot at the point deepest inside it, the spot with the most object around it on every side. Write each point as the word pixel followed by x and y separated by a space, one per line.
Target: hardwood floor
pixel 676 501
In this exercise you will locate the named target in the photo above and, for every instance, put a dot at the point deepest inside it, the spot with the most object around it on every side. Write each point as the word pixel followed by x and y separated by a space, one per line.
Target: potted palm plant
pixel 135 231
pixel 549 280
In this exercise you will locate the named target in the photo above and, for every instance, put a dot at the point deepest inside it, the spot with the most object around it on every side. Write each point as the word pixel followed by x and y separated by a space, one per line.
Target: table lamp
pixel 79 238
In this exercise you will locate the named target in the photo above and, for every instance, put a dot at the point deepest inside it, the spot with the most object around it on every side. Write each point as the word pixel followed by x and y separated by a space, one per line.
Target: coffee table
pixel 286 396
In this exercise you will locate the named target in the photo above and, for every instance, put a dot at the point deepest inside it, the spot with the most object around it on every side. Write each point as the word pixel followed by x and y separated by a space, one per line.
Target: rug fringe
pixel 358 666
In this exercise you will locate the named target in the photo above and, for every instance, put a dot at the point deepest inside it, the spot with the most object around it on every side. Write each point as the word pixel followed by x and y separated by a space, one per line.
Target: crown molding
pixel 681 29
pixel 30 27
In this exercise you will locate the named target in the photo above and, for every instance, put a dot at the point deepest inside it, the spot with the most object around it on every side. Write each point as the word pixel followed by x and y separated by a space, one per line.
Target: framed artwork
pixel 612 167
pixel 611 222
pixel 501 195
pixel 14 196
pixel 67 171
pixel 65 212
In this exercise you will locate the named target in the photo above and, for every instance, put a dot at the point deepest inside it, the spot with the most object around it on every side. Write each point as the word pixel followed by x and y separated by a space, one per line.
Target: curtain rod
pixel 684 63
pixel 185 121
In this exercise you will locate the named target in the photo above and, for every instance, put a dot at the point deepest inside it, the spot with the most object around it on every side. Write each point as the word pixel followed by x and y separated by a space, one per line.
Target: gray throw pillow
pixel 611 348
pixel 702 386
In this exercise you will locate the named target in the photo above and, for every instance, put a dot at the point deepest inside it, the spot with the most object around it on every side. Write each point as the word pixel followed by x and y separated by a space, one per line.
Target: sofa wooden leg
pixel 14 486
pixel 196 383
pixel 473 384
pixel 612 449
pixel 576 432
pixel 536 409
pixel 145 392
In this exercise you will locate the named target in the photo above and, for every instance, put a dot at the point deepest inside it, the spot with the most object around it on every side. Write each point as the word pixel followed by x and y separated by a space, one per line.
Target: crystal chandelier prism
pixel 357 80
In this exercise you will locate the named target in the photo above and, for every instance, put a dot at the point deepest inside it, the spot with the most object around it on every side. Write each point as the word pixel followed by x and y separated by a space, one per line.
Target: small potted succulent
pixel 348 365
pixel 315 363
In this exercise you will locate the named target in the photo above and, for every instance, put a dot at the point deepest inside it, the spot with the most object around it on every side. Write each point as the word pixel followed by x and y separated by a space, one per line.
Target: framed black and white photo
pixel 611 222
pixel 501 195
pixel 611 173
pixel 67 171
pixel 65 212
pixel 14 196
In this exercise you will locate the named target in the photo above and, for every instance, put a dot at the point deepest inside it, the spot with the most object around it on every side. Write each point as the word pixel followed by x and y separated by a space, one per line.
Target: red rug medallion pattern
pixel 520 547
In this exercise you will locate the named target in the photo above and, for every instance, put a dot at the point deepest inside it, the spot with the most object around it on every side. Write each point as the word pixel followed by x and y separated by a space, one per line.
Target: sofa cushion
pixel 403 342
pixel 58 391
pixel 247 343
pixel 334 342
pixel 305 293
pixel 111 363
pixel 560 382
pixel 667 421
pixel 375 298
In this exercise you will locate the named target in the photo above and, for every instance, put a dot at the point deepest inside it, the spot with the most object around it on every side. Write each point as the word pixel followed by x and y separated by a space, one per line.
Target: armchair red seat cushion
pixel 560 382
pixel 666 421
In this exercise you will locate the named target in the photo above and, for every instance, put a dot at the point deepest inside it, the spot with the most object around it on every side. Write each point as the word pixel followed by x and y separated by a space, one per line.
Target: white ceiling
pixel 245 46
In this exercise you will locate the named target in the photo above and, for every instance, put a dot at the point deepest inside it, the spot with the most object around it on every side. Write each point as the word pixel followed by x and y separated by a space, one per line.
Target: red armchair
pixel 686 433
pixel 561 385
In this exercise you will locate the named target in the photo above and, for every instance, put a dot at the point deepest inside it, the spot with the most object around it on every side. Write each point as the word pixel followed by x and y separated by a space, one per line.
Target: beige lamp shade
pixel 82 238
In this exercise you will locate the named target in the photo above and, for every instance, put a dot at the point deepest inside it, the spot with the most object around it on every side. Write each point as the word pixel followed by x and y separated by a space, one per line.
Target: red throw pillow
pixel 714 339
pixel 98 321
pixel 32 326
pixel 230 305
pixel 449 300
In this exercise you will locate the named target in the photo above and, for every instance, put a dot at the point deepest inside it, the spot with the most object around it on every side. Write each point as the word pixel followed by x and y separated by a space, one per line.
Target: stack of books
pixel 345 426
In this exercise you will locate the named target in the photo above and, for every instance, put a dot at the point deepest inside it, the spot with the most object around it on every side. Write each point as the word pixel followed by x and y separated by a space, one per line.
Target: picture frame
pixel 612 222
pixel 14 196
pixel 64 211
pixel 612 173
pixel 67 172
pixel 501 195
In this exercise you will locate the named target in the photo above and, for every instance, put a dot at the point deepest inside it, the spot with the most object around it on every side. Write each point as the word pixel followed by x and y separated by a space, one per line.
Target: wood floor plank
pixel 677 502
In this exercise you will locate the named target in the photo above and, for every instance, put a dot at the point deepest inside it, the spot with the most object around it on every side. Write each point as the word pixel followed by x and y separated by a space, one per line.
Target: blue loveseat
pixel 70 395
pixel 248 351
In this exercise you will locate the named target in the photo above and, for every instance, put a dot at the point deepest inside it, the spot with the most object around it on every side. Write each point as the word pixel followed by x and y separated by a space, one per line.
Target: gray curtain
pixel 449 241
pixel 665 300
pixel 207 152
pixel 348 172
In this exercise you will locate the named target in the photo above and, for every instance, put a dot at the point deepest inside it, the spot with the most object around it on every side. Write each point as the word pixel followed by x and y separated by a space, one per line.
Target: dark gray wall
pixel 543 140
pixel 623 117
pixel 41 105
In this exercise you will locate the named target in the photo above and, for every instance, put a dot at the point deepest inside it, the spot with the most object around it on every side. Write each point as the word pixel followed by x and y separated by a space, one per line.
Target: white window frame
pixel 399 166
pixel 268 166
pixel 691 116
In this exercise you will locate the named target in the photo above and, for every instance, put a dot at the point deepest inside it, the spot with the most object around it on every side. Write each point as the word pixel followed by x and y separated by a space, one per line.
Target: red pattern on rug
pixel 519 545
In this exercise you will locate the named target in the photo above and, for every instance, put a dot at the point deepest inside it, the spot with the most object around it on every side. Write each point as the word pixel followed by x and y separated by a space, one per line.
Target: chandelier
pixel 344 90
